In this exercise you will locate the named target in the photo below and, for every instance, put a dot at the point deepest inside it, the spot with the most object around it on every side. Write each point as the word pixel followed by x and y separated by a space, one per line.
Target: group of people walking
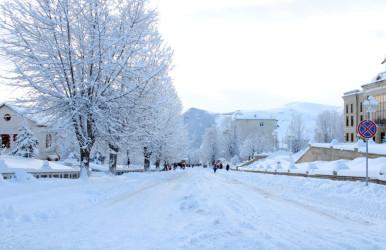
pixel 219 166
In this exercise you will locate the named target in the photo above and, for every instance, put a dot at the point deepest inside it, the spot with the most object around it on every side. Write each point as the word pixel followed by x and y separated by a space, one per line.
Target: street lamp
pixel 290 138
pixel 370 106
pixel 274 134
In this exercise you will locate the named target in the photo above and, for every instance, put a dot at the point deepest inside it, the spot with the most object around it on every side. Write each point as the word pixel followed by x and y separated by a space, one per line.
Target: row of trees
pixel 226 140
pixel 329 125
pixel 99 70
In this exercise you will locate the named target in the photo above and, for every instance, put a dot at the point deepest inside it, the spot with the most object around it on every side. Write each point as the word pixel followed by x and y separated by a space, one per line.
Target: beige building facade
pixel 10 121
pixel 261 127
pixel 355 111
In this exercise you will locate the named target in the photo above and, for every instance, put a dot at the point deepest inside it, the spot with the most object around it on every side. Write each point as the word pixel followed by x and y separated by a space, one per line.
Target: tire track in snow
pixel 130 194
pixel 280 215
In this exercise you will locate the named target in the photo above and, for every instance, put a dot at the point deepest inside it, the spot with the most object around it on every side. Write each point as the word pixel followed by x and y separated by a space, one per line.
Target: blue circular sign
pixel 367 129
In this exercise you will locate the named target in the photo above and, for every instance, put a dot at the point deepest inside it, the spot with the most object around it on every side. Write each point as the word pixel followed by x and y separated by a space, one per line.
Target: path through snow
pixel 191 209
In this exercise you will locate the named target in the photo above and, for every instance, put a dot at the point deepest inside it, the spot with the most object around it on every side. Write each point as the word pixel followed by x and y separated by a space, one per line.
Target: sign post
pixel 367 129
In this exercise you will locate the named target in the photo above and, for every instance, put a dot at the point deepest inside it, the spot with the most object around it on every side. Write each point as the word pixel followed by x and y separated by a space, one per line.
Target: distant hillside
pixel 197 120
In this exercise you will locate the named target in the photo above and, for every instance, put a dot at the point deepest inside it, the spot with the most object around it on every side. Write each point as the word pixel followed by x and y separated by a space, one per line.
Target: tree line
pixel 227 141
pixel 98 71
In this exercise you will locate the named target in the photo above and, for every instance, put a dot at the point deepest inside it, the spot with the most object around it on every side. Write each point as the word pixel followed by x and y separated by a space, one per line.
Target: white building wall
pixel 12 126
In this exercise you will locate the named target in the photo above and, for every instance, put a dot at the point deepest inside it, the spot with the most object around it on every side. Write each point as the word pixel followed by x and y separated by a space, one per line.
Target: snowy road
pixel 192 209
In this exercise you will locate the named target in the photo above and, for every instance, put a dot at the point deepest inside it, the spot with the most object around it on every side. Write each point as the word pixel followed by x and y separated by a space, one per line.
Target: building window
pixel 361 118
pixel 352 120
pixel 5 141
pixel 261 124
pixel 7 117
pixel 352 137
pixel 347 124
pixel 346 137
pixel 346 108
pixel 48 140
pixel 352 108
pixel 361 107
pixel 380 114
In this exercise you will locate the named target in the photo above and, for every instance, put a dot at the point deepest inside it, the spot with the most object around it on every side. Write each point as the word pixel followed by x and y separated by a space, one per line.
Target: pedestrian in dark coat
pixel 227 167
pixel 214 168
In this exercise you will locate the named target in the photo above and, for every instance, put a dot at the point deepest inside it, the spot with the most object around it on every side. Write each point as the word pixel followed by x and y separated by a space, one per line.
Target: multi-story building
pixel 264 127
pixel 355 111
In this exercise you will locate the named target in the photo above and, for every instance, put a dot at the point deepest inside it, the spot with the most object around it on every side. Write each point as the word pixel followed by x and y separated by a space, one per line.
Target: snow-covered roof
pixel 22 110
pixel 352 92
pixel 380 77
pixel 252 115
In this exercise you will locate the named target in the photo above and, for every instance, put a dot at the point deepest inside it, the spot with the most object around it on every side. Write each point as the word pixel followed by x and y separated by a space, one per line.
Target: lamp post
pixel 274 134
pixel 370 106
pixel 290 138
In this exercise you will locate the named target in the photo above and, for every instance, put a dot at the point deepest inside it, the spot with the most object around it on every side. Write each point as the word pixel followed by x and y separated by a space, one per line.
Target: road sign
pixel 367 129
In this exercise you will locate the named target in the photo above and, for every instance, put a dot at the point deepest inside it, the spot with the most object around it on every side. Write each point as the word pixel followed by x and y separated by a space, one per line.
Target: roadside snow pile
pixel 374 148
pixel 2 164
pixel 355 168
pixel 346 195
pixel 15 163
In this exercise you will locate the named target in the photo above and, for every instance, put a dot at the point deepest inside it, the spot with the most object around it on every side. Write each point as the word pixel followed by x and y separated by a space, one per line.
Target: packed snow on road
pixel 191 209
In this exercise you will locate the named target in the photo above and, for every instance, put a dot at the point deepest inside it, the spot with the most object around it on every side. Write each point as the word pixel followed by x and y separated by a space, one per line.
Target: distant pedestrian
pixel 214 168
pixel 220 165
pixel 227 167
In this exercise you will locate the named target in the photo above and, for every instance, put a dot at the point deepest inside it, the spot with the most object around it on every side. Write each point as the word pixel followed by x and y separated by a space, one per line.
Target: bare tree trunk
pixel 84 162
pixel 85 145
pixel 147 155
pixel 128 158
pixel 157 163
pixel 113 159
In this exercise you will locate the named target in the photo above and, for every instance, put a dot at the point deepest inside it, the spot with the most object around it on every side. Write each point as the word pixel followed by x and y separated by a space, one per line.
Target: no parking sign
pixel 367 129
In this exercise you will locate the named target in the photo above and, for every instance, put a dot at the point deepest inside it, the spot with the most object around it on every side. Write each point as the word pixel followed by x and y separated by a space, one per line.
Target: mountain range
pixel 198 120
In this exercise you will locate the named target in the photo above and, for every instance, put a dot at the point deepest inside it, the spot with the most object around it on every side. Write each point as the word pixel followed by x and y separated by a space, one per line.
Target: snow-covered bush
pixel 46 165
pixel 22 176
pixel 235 159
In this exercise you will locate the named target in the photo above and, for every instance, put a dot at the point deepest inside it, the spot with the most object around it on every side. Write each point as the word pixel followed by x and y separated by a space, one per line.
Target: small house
pixel 11 118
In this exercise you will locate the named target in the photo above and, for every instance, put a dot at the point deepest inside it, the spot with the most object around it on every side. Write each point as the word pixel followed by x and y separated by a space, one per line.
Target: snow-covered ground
pixel 282 162
pixel 191 209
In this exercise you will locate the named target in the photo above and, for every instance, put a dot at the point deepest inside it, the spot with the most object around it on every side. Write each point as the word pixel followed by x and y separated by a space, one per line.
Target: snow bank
pixel 192 209
pixel 15 163
pixel 374 148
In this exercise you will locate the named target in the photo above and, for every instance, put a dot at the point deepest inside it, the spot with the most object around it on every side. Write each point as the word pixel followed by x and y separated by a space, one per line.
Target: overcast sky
pixel 260 54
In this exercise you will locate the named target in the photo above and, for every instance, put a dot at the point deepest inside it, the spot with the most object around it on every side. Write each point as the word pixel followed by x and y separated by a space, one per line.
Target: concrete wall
pixel 331 154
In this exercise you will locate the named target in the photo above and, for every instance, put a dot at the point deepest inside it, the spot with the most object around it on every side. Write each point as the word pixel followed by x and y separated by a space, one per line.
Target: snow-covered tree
pixel 81 59
pixel 194 156
pixel 253 144
pixel 169 140
pixel 296 134
pixel 26 143
pixel 210 146
pixel 230 138
pixel 329 126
